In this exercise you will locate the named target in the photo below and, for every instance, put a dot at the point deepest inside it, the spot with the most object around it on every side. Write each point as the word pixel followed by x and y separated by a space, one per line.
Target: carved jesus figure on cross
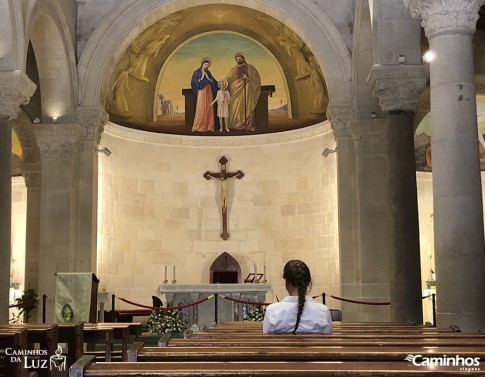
pixel 224 177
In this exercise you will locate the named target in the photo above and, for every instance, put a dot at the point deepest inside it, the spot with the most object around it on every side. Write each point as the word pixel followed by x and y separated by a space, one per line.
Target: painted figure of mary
pixel 204 87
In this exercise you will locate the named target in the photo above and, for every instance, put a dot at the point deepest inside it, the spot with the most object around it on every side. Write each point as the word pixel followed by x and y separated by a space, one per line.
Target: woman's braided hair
pixel 298 274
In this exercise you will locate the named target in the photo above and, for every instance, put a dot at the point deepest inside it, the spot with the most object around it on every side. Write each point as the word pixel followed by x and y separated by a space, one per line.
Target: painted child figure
pixel 222 99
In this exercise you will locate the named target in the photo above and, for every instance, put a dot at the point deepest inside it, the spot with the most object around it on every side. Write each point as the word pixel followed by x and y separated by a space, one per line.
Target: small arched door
pixel 225 270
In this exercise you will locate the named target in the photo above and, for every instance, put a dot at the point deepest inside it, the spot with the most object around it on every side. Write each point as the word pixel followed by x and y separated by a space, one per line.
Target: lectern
pixel 76 297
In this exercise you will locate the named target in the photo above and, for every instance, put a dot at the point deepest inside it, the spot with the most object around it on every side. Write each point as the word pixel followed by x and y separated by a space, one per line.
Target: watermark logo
pixel 58 361
pixel 34 359
pixel 463 363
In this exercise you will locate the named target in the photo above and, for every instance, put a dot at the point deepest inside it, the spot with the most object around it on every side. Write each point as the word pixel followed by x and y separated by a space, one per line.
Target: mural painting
pixel 269 71
pixel 17 156
pixel 423 137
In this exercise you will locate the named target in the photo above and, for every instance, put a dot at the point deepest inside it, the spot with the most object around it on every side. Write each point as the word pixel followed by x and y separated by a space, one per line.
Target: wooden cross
pixel 224 177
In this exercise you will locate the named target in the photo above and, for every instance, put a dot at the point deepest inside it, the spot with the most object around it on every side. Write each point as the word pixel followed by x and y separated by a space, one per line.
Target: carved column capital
pixel 92 120
pixel 397 87
pixel 340 114
pixel 58 141
pixel 370 136
pixel 31 174
pixel 445 16
pixel 15 90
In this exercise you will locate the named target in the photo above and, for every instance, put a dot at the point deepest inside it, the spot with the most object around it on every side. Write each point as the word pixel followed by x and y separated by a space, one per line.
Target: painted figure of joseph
pixel 244 87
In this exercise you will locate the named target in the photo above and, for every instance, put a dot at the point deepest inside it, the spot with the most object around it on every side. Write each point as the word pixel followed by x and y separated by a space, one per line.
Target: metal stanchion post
pixel 216 297
pixel 323 298
pixel 44 300
pixel 433 301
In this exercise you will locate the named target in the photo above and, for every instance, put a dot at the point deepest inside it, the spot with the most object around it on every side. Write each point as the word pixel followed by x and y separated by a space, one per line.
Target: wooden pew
pixel 85 367
pixel 288 353
pixel 46 335
pixel 17 340
pixel 303 340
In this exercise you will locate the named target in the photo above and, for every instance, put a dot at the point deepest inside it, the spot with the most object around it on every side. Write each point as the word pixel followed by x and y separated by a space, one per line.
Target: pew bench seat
pixel 86 368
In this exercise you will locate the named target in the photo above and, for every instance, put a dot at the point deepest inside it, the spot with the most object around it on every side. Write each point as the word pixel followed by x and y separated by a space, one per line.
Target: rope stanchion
pixel 245 302
pixel 357 301
pixel 165 308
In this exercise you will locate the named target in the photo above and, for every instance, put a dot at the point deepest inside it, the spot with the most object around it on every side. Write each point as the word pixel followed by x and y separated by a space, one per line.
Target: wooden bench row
pixel 85 367
pixel 48 337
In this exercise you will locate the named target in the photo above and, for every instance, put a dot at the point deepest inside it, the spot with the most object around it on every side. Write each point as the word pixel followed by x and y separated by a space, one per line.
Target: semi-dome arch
pixel 121 27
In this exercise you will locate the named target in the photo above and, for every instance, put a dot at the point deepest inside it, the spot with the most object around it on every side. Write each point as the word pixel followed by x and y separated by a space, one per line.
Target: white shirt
pixel 280 317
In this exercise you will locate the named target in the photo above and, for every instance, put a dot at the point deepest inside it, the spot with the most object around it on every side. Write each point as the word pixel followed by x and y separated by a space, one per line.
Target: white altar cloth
pixel 204 315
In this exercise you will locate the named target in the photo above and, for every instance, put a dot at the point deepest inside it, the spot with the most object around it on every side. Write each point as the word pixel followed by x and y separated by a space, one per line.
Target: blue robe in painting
pixel 196 86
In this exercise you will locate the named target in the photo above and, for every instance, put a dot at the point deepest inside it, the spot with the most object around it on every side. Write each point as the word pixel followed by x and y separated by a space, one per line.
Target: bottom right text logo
pixel 463 363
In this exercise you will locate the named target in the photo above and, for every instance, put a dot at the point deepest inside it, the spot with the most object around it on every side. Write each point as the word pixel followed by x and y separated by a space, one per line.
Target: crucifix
pixel 224 176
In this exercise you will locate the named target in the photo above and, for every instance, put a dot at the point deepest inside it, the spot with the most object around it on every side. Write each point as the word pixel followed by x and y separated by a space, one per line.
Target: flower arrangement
pixel 163 321
pixel 255 313
pixel 25 304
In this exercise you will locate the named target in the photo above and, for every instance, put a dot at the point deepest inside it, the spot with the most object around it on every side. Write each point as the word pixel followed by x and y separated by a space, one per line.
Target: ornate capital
pixel 370 144
pixel 92 120
pixel 397 87
pixel 58 141
pixel 445 16
pixel 340 114
pixel 31 174
pixel 15 90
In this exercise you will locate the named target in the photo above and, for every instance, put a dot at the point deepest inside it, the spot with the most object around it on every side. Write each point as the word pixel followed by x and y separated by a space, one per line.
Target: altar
pixel 215 308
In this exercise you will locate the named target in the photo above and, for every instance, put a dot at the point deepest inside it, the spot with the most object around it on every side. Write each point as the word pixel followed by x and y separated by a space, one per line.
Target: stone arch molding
pixel 129 19
pixel 49 32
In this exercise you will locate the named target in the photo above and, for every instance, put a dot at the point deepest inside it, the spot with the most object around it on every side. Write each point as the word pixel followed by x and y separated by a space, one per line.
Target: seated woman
pixel 297 313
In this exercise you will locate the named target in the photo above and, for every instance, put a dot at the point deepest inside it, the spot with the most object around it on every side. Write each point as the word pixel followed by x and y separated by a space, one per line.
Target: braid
pixel 302 288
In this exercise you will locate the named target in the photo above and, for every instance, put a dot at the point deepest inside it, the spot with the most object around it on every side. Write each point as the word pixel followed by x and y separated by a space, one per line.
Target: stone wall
pixel 156 209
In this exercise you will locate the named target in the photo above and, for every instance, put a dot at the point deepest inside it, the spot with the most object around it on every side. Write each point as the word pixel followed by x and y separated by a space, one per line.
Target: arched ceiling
pixel 167 34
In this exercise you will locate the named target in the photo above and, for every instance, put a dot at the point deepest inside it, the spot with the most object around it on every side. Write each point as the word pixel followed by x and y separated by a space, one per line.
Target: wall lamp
pixel 327 151
pixel 55 120
pixel 105 151
pixel 401 59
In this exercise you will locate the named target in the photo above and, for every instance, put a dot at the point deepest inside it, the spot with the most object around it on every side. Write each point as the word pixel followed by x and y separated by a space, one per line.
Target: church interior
pixel 362 153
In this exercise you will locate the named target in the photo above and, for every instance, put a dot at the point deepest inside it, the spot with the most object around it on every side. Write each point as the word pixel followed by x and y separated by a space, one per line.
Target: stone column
pixel 363 221
pixel 15 89
pixel 92 121
pixel 58 145
pixel 5 213
pixel 397 87
pixel 31 174
pixel 457 192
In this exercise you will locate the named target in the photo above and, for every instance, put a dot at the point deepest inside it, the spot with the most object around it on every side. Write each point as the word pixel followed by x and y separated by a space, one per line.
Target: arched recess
pixel 126 22
pixel 50 36
pixel 225 270
pixel 362 61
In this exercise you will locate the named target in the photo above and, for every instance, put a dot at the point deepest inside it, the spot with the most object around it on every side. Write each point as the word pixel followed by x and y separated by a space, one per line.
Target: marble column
pixel 15 89
pixel 31 174
pixel 92 121
pixel 363 230
pixel 457 193
pixel 59 151
pixel 397 87
pixel 5 213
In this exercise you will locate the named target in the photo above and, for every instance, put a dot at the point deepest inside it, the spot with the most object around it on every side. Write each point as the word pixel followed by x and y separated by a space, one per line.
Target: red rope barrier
pixel 25 304
pixel 358 302
pixel 164 308
pixel 245 302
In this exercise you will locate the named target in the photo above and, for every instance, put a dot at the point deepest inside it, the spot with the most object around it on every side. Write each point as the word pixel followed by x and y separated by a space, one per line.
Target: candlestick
pixel 174 273
pixel 165 281
pixel 255 273
pixel 264 274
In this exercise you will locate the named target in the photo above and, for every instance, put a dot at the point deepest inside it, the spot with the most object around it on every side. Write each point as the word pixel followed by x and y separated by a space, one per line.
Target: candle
pixel 264 272
pixel 165 273
pixel 255 271
pixel 173 272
